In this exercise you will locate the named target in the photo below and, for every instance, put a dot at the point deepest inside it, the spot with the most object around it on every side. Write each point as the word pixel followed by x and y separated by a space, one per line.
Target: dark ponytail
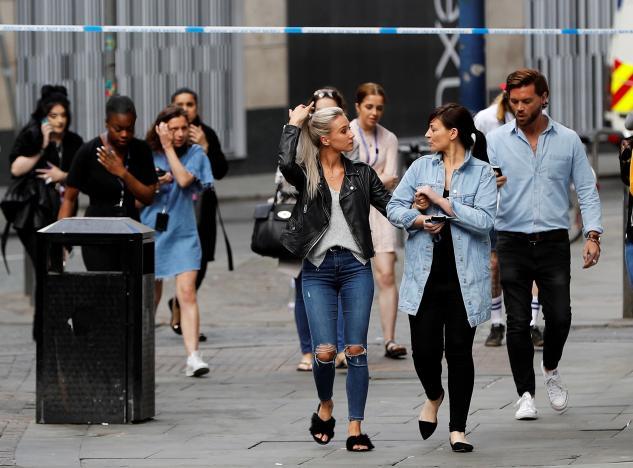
pixel 480 147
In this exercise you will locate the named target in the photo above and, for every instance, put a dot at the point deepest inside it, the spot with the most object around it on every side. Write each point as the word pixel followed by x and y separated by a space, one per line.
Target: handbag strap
pixel 229 250
pixel 3 241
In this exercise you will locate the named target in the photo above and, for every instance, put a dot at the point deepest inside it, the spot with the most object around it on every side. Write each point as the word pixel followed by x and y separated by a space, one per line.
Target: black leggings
pixel 441 325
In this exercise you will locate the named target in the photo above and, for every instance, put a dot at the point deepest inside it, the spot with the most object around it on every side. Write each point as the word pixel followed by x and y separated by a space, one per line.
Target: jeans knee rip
pixel 357 360
pixel 325 349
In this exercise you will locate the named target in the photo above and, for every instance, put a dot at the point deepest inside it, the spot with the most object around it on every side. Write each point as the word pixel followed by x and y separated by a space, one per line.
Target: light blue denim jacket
pixel 473 198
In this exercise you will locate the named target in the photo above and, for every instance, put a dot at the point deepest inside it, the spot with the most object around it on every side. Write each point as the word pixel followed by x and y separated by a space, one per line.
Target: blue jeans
pixel 301 320
pixel 628 258
pixel 340 275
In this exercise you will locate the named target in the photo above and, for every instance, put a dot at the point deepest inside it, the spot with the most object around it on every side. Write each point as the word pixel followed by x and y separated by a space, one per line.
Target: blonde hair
pixel 312 130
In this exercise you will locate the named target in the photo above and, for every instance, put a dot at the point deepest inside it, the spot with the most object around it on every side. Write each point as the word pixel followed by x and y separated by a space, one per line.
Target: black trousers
pixel 441 326
pixel 546 262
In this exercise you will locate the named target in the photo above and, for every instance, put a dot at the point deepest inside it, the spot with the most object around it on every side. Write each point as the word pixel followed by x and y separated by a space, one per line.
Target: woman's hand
pixel 47 129
pixel 111 162
pixel 197 136
pixel 430 227
pixel 421 202
pixel 165 179
pixel 52 174
pixel 390 181
pixel 429 193
pixel 166 138
pixel 299 114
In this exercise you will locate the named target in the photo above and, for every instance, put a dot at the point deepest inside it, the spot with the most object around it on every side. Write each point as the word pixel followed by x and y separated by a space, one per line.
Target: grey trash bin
pixel 95 352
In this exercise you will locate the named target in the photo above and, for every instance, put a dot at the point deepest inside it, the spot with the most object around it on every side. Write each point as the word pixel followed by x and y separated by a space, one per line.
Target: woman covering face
pixel 183 170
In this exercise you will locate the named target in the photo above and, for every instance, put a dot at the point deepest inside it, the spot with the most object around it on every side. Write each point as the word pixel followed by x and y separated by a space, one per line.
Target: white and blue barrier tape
pixel 308 30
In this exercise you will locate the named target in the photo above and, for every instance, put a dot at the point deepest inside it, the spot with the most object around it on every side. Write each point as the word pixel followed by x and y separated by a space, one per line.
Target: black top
pixel 219 166
pixel 29 142
pixel 103 188
pixel 443 267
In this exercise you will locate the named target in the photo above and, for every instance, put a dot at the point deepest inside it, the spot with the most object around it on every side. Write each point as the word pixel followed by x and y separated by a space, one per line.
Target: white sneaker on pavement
pixel 527 409
pixel 196 366
pixel 556 390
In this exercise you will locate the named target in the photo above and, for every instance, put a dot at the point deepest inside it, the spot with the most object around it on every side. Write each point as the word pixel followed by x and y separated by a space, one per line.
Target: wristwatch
pixel 594 237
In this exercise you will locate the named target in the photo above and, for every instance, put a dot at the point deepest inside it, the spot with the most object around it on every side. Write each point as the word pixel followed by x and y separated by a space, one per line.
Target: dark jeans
pixel 441 326
pixel 340 275
pixel 546 262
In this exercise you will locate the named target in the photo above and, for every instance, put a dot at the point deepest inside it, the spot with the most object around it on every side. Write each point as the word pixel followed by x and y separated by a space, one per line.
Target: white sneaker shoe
pixel 527 409
pixel 196 366
pixel 556 390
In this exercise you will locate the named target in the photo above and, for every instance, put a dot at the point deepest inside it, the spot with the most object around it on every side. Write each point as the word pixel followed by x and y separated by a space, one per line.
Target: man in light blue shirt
pixel 539 158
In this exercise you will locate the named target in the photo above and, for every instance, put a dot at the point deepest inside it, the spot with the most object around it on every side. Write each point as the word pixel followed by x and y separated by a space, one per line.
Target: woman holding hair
pixel 446 283
pixel 329 229
pixel 183 169
pixel 114 170
pixel 328 96
pixel 378 147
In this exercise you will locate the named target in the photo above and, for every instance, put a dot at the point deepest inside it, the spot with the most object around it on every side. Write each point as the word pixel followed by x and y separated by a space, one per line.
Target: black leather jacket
pixel 311 218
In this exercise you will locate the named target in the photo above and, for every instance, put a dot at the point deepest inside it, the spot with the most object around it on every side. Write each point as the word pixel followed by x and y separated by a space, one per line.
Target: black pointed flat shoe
pixel 428 428
pixel 460 447
pixel 362 439
pixel 175 326
pixel 325 428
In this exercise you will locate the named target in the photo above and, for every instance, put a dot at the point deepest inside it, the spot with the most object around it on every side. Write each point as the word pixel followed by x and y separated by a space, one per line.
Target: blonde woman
pixel 329 229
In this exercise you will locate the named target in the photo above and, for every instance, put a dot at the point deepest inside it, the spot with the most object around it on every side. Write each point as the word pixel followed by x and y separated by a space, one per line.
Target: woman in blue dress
pixel 182 170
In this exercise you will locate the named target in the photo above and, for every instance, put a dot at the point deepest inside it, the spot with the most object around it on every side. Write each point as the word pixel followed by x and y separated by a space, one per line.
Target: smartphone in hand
pixel 497 170
pixel 439 219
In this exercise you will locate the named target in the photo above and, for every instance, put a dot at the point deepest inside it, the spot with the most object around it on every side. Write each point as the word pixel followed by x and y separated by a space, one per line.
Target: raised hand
pixel 111 161
pixel 165 136
pixel 299 114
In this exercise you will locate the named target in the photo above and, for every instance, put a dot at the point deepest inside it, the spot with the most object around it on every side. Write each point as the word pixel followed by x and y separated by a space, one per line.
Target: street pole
pixel 109 58
pixel 472 56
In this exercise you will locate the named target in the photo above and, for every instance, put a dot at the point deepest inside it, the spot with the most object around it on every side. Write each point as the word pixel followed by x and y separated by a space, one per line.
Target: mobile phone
pixel 160 172
pixel 439 219
pixel 44 120
pixel 497 170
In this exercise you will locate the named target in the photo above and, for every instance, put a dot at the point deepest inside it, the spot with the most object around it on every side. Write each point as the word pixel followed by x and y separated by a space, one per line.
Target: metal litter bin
pixel 95 355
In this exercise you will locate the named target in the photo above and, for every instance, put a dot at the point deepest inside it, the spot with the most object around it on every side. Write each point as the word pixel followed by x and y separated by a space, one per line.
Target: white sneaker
pixel 527 409
pixel 196 366
pixel 556 390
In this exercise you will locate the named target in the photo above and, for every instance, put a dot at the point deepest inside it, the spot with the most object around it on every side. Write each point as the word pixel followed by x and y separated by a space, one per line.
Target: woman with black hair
pixel 445 287
pixel 114 170
pixel 43 153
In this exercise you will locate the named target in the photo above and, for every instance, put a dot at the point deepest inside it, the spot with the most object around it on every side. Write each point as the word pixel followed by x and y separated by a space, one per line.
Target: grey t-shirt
pixel 338 234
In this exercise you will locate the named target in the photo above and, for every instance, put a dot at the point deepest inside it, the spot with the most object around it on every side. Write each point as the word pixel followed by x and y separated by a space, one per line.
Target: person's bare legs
pixel 189 312
pixel 158 292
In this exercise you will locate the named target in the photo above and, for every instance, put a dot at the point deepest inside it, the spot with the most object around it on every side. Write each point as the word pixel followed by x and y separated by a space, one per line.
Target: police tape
pixel 310 30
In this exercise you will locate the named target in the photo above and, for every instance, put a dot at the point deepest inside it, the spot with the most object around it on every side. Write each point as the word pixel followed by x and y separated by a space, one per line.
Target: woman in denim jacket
pixel 446 283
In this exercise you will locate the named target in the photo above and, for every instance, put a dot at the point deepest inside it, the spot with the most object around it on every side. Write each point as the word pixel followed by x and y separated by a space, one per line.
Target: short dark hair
pixel 120 105
pixel 168 113
pixel 525 77
pixel 180 91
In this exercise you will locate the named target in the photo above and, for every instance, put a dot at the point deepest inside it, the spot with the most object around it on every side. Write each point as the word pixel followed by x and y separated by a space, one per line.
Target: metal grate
pixel 576 66
pixel 148 67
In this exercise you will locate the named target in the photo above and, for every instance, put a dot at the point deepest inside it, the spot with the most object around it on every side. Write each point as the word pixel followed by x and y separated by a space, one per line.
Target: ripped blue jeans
pixel 342 275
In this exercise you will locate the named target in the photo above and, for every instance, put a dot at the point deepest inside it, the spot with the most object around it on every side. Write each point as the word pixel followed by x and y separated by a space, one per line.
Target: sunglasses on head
pixel 325 93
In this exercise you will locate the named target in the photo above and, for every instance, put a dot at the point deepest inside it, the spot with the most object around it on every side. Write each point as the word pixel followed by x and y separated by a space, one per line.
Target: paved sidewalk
pixel 254 408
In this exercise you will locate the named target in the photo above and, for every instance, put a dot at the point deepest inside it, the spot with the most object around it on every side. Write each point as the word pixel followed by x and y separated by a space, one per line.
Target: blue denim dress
pixel 177 249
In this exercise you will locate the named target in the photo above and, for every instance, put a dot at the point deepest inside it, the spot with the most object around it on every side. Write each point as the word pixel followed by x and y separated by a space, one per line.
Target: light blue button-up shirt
pixel 536 196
